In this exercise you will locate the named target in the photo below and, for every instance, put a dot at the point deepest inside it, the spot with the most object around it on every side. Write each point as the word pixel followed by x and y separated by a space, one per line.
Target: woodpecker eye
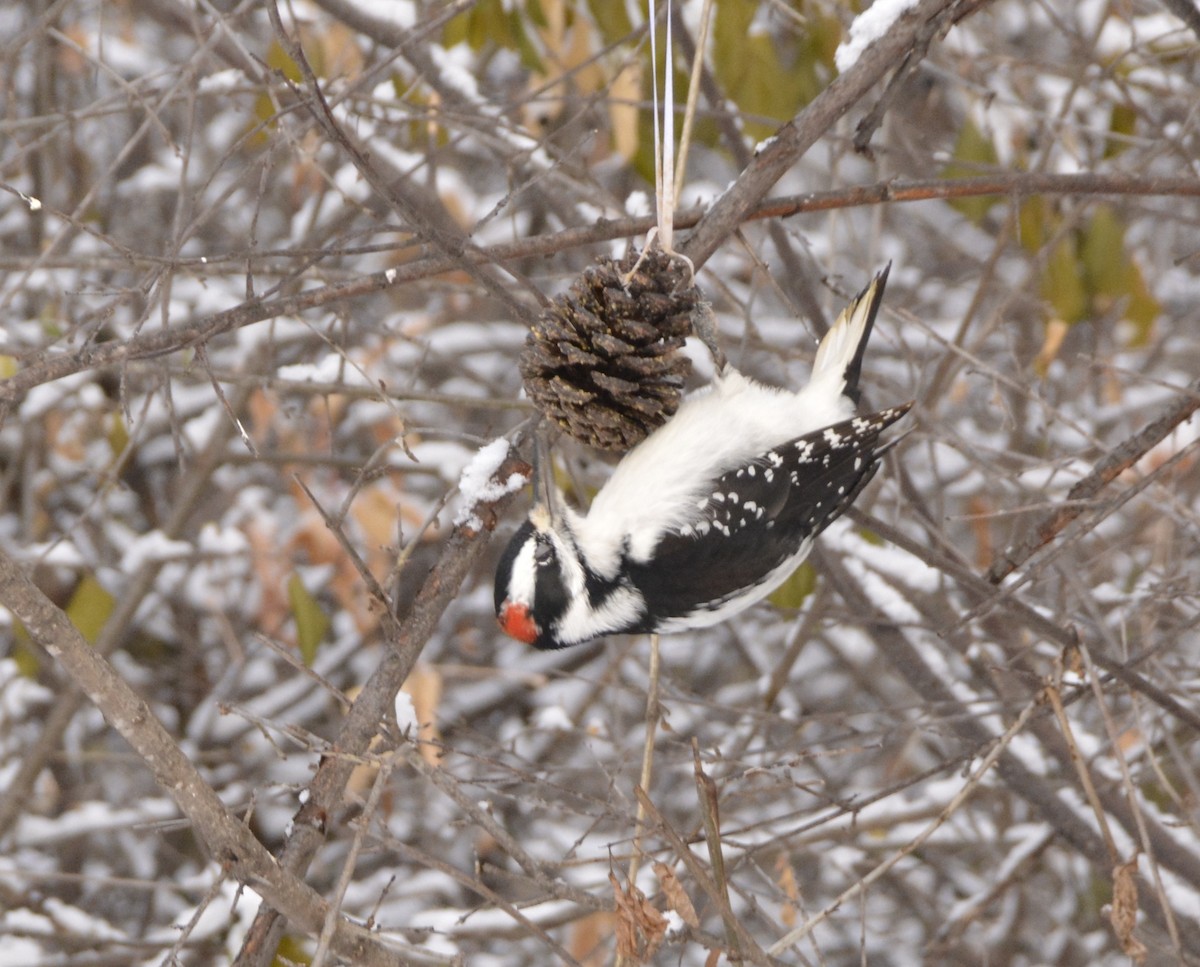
pixel 543 553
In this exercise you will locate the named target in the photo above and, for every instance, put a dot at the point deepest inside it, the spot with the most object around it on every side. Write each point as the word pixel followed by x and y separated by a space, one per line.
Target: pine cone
pixel 603 360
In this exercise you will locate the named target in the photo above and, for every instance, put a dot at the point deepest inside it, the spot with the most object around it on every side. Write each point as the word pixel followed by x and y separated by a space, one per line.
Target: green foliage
pixel 311 620
pixel 796 589
pixel 1112 276
pixel 1062 283
pixel 118 435
pixel 488 22
pixel 1088 272
pixel 90 608
pixel 1033 218
pixel 23 653
pixel 771 75
pixel 974 154
pixel 1122 122
pixel 291 951
pixel 612 17
pixel 280 60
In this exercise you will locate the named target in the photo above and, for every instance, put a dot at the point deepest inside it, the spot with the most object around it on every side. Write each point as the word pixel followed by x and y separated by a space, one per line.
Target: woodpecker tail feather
pixel 841 351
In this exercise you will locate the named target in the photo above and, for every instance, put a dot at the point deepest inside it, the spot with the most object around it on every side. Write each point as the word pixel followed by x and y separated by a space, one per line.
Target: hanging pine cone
pixel 603 360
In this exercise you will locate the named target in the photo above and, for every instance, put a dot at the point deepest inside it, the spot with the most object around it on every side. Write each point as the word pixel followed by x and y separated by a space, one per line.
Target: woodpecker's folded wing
pixel 757 520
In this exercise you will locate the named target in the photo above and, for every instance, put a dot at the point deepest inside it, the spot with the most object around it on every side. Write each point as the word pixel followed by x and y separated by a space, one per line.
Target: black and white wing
pixel 758 523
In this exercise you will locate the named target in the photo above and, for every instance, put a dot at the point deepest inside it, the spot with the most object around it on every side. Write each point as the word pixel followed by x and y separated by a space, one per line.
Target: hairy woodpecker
pixel 707 515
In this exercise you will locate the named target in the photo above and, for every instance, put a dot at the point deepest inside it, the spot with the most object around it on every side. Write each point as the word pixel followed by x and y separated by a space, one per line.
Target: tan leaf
pixel 677 897
pixel 980 512
pixel 362 776
pixel 339 44
pixel 1056 332
pixel 262 415
pixel 787 883
pixel 270 571
pixel 636 918
pixel 627 945
pixel 317 544
pixel 586 940
pixel 424 685
pixel 71 60
pixel 1124 910
pixel 374 510
pixel 624 95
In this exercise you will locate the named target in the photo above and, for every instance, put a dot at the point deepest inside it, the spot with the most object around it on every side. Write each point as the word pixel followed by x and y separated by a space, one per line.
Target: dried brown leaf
pixel 787 883
pixel 677 897
pixel 627 945
pixel 1124 910
pixel 424 685
pixel 586 941
pixel 640 927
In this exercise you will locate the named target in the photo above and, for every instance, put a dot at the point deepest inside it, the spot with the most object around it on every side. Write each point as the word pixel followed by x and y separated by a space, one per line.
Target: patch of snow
pixel 90 817
pixel 79 922
pixel 42 399
pixel 455 66
pixel 767 142
pixel 476 485
pixel 553 718
pixel 639 203
pixel 20 952
pixel 215 539
pixel 406 714
pixel 868 27
pixel 1120 36
pixel 154 546
pixel 333 368
pixel 59 553
pixel 18 693
pixel 222 81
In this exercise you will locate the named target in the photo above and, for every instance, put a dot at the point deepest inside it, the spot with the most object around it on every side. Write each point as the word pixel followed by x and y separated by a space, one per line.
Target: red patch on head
pixel 517 622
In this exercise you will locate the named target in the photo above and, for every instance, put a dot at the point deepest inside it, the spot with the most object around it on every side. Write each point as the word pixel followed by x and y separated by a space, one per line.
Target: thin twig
pixel 194 332
pixel 1127 784
pixel 960 797
pixel 361 723
pixel 226 838
pixel 1052 691
pixel 653 714
pixel 710 813
pixel 1107 469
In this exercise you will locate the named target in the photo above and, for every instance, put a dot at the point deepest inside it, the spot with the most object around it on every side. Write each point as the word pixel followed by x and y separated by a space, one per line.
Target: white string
pixel 664 131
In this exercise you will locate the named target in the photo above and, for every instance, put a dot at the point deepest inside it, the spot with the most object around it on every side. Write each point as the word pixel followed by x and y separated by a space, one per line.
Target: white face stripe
pixel 522 580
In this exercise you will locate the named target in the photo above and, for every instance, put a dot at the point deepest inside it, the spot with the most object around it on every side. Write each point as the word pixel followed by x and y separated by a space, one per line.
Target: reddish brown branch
pixel 1113 464
pixel 198 331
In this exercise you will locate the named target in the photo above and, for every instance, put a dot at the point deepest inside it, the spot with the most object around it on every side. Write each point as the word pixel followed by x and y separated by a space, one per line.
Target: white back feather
pixel 658 485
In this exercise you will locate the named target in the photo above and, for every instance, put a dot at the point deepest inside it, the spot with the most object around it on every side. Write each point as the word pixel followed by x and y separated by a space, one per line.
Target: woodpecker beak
pixel 517 622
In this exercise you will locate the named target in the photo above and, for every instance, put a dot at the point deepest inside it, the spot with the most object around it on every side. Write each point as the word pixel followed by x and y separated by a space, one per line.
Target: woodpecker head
pixel 532 583
pixel 539 572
